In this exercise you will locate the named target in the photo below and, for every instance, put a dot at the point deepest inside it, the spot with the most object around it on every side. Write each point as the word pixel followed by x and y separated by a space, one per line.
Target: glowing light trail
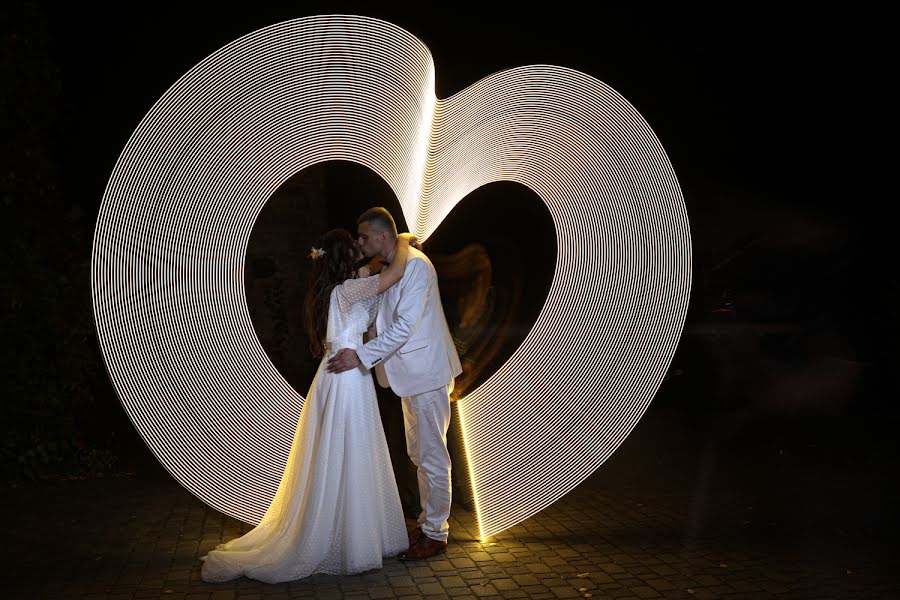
pixel 177 213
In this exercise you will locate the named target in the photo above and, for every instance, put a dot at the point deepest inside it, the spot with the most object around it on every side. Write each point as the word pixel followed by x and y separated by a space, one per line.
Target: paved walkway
pixel 678 512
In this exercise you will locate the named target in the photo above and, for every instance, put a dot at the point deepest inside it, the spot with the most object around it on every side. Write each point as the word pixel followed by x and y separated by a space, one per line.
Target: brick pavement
pixel 676 513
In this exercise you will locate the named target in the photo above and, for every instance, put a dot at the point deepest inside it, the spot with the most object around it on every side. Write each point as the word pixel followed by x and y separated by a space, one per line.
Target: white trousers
pixel 427 418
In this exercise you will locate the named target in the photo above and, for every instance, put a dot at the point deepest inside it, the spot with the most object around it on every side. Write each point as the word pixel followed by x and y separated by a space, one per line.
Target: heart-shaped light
pixel 177 213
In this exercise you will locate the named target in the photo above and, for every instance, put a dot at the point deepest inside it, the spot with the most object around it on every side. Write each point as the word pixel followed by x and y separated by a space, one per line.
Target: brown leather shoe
pixel 415 535
pixel 424 548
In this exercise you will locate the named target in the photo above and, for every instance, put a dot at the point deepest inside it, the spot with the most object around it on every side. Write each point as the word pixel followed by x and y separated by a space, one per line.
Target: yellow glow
pixel 462 426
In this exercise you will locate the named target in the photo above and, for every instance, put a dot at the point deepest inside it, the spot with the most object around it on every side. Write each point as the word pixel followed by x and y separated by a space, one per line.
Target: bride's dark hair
pixel 329 270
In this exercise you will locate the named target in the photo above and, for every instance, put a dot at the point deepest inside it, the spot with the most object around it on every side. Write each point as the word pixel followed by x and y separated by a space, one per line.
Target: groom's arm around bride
pixel 407 314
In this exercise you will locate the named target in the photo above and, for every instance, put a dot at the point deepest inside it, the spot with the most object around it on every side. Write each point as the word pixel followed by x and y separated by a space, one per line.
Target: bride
pixel 337 509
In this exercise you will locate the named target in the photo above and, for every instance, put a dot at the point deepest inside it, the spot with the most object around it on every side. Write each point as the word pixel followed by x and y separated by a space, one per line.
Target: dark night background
pixel 769 118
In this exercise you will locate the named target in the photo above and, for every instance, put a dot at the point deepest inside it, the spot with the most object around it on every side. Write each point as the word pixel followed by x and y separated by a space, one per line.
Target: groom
pixel 414 355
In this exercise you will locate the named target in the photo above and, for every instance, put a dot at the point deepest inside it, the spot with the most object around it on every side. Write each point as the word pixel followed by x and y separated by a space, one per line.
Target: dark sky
pixel 775 123
pixel 764 101
pixel 769 116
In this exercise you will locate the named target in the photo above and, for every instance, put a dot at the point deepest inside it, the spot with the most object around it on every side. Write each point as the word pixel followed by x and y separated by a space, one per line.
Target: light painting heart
pixel 172 233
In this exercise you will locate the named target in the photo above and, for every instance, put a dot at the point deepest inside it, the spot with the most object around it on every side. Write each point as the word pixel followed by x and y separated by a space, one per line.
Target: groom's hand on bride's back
pixel 343 360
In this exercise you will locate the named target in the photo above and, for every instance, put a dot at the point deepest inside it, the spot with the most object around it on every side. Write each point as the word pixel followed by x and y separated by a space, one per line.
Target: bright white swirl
pixel 176 217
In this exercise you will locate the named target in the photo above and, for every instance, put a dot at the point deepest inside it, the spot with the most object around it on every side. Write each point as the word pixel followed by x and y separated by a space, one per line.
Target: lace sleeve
pixel 364 289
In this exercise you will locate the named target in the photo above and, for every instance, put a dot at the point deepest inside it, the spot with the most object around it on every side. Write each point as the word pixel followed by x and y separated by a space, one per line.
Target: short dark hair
pixel 381 218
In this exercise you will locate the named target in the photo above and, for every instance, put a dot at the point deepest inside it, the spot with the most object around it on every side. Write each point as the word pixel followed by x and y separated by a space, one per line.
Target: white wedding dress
pixel 337 509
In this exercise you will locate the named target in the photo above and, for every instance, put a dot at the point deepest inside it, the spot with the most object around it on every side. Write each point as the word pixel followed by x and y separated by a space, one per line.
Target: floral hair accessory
pixel 316 253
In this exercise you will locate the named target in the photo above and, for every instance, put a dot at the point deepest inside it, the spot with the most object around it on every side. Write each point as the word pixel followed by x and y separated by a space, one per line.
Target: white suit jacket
pixel 413 343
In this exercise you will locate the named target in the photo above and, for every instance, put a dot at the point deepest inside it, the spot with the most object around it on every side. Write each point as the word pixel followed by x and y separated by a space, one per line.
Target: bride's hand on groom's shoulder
pixel 413 240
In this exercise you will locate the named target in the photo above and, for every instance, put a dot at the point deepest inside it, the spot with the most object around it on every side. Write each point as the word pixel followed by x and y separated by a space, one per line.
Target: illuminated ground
pixel 780 511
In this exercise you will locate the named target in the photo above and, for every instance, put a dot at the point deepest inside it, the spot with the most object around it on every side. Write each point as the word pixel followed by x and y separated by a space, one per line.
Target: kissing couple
pixel 337 509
